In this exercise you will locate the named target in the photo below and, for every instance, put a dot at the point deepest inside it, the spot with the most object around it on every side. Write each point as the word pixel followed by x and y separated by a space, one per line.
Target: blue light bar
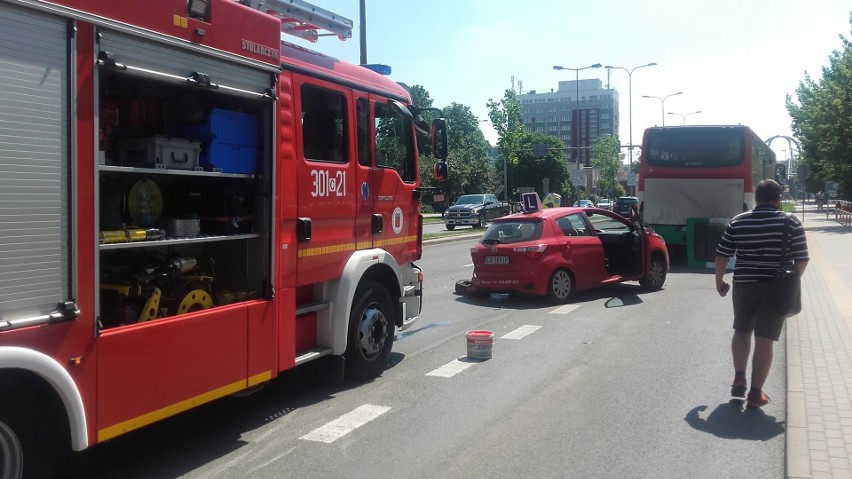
pixel 378 68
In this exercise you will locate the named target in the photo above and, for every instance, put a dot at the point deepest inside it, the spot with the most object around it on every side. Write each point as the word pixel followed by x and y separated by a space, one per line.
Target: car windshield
pixel 507 232
pixel 470 199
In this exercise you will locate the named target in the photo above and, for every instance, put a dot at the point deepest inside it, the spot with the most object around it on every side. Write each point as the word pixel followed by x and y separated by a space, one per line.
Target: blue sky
pixel 735 60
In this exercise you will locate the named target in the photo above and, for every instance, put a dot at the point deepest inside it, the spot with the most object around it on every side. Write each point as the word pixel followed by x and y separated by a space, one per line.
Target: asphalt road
pixel 618 383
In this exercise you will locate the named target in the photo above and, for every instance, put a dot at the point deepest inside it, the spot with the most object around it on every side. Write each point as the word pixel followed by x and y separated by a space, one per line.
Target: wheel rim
pixel 656 273
pixel 372 331
pixel 11 455
pixel 560 285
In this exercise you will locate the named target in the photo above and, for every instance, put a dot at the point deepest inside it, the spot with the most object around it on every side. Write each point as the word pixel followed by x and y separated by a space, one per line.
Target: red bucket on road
pixel 480 343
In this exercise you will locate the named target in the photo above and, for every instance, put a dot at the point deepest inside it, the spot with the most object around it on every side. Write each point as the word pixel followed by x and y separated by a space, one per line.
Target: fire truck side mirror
pixel 439 138
pixel 440 172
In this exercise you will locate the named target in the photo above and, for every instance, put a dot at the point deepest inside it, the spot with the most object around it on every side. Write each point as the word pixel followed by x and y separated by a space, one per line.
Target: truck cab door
pixel 395 180
pixel 325 180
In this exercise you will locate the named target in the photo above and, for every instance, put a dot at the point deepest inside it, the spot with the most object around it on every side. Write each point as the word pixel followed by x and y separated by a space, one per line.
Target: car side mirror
pixel 440 172
pixel 439 138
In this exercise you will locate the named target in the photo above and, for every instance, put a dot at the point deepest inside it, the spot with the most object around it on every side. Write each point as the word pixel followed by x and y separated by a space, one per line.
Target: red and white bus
pixel 694 179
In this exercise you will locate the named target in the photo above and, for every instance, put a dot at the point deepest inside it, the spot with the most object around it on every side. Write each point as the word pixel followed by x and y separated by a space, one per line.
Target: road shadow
pixel 619 294
pixel 733 421
pixel 177 446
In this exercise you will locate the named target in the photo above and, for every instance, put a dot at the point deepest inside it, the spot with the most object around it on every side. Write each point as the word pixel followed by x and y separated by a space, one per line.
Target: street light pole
pixel 663 103
pixel 577 83
pixel 684 115
pixel 630 115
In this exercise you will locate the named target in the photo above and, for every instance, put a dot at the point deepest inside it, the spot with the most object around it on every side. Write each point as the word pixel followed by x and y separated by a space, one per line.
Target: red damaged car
pixel 557 251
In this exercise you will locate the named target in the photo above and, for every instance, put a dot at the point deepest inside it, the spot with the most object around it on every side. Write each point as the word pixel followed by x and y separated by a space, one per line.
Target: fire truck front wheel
pixel 26 448
pixel 371 331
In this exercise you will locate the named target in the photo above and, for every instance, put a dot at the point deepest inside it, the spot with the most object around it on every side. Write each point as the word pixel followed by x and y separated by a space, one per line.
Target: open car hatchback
pixel 558 251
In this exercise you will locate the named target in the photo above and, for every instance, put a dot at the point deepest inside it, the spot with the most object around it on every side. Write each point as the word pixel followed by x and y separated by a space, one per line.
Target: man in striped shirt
pixel 757 239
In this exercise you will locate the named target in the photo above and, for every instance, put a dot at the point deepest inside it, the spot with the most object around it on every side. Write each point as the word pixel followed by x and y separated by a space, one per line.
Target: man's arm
pixel 721 266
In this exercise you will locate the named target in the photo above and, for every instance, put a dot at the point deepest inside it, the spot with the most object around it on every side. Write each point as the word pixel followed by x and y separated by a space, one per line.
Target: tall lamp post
pixel 577 82
pixel 684 115
pixel 663 103
pixel 630 102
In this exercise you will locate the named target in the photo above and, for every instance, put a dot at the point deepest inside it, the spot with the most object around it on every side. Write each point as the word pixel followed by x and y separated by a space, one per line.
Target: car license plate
pixel 496 260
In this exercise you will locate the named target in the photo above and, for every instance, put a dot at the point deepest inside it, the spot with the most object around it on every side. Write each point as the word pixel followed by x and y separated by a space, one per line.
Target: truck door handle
pixel 303 229
pixel 65 311
pixel 377 224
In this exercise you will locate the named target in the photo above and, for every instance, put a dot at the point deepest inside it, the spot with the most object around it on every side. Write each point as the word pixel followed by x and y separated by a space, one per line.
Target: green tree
pixel 606 160
pixel 505 116
pixel 470 171
pixel 822 119
pixel 531 170
pixel 420 97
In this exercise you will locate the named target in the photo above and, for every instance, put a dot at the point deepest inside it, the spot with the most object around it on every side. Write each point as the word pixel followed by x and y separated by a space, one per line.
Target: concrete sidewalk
pixel 819 356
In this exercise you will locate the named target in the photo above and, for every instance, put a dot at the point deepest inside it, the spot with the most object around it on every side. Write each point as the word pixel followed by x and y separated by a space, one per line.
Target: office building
pixel 576 122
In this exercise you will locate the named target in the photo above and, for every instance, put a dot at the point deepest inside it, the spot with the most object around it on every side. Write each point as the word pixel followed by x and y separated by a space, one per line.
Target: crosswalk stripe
pixel 521 332
pixel 565 309
pixel 451 369
pixel 345 424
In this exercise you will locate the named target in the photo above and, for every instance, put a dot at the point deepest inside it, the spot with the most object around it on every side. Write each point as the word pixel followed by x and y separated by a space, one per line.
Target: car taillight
pixel 532 252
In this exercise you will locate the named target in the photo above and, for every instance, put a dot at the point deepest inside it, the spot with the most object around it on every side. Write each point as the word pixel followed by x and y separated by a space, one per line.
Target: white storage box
pixel 161 152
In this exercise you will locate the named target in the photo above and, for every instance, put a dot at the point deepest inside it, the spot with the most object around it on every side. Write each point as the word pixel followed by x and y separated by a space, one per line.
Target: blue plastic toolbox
pixel 232 126
pixel 230 157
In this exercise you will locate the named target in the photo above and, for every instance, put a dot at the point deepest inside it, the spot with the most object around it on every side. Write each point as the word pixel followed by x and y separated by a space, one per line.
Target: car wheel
pixel 561 286
pixel 463 289
pixel 482 220
pixel 371 330
pixel 656 274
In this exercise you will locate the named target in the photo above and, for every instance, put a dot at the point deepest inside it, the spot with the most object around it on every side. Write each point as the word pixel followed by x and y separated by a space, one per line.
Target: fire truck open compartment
pixel 184 168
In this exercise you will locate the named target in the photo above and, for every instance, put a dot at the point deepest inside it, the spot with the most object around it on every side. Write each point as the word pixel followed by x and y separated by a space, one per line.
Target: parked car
pixel 584 204
pixel 475 210
pixel 558 251
pixel 605 203
pixel 625 204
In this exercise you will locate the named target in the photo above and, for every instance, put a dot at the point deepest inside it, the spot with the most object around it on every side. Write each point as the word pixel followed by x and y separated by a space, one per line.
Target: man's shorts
pixel 754 311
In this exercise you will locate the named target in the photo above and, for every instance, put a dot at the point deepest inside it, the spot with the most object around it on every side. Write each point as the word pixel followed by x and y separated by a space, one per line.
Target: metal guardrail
pixel 842 212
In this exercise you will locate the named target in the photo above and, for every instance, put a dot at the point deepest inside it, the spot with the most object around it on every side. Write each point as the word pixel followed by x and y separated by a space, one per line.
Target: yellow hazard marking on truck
pixel 394 241
pixel 259 378
pixel 180 21
pixel 185 405
pixel 349 247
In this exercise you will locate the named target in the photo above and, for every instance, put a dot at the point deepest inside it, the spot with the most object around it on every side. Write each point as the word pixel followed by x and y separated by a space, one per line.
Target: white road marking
pixel 451 369
pixel 565 309
pixel 521 332
pixel 345 424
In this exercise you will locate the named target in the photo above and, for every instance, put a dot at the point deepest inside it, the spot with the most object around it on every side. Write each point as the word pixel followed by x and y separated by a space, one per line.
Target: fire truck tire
pixel 371 331
pixel 26 446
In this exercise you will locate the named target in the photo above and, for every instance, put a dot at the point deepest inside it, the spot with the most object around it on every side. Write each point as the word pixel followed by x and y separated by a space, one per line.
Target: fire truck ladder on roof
pixel 301 19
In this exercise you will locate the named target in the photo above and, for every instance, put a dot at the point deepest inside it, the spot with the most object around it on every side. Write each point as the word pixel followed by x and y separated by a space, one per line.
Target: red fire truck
pixel 189 206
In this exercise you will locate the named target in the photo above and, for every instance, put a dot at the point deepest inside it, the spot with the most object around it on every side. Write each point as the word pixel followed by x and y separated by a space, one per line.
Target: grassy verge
pixel 445 234
pixel 432 220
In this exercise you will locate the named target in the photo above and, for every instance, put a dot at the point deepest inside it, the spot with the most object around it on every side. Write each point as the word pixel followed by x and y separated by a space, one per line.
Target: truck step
pixel 311 307
pixel 311 354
